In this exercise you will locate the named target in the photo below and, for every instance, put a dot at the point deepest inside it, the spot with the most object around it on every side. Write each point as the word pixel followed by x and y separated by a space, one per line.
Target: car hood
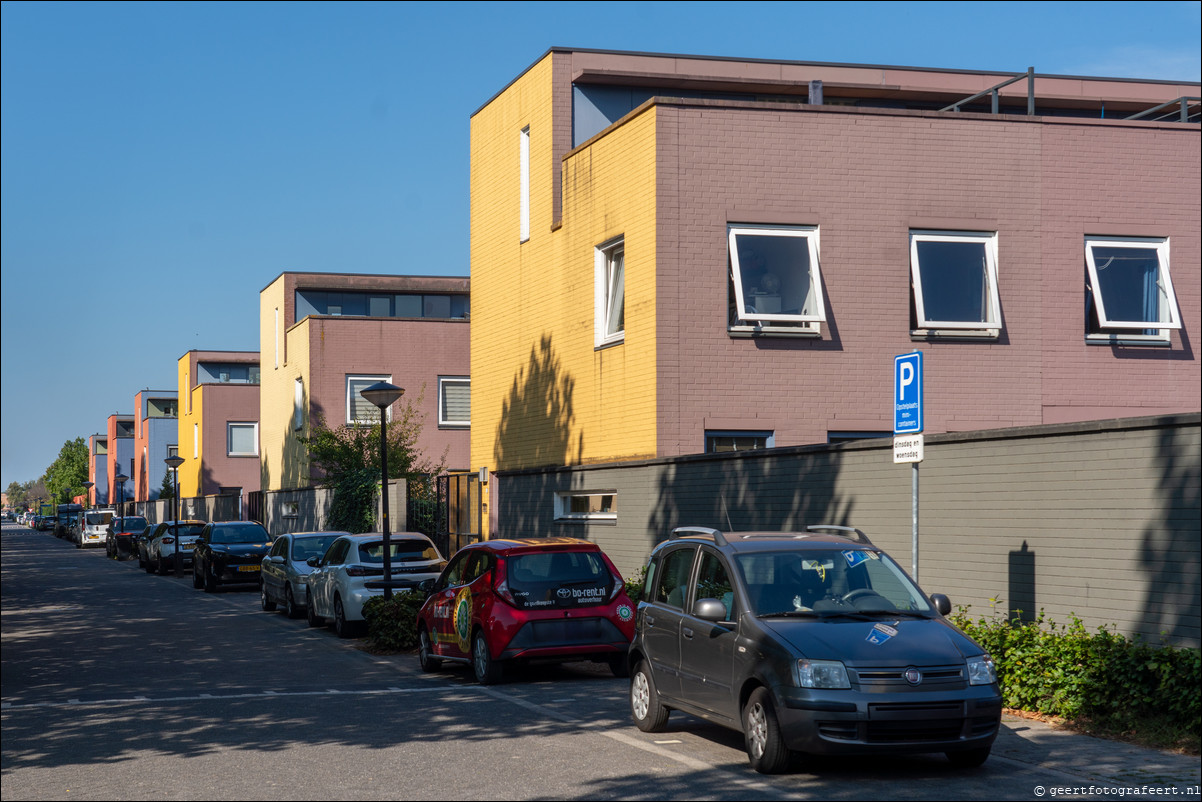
pixel 880 641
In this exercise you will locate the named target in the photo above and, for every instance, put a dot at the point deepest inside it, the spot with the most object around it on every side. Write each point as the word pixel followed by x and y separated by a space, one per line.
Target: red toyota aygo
pixel 500 601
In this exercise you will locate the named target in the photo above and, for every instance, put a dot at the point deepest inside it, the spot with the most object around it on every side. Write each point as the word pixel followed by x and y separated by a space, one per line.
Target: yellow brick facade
pixel 191 419
pixel 284 355
pixel 542 393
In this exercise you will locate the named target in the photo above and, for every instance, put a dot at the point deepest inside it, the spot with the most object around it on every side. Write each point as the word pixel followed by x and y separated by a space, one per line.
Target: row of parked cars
pixel 812 642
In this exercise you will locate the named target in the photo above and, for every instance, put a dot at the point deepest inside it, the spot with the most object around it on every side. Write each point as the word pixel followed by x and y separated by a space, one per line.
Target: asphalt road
pixel 121 685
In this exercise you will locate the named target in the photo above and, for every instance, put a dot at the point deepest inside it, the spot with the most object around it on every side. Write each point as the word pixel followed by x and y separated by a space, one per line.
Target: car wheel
pixel 619 665
pixel 311 613
pixel 969 758
pixel 342 627
pixel 142 560
pixel 425 654
pixel 765 746
pixel 197 582
pixel 265 600
pixel 148 565
pixel 290 608
pixel 210 580
pixel 649 715
pixel 488 670
pixel 160 565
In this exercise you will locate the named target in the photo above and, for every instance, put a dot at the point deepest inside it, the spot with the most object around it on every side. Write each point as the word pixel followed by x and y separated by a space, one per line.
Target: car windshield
pixel 399 550
pixel 225 535
pixel 827 582
pixel 559 579
pixel 305 547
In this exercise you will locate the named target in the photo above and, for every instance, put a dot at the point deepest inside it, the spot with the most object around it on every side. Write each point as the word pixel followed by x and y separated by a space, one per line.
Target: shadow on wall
pixel 752 491
pixel 1169 554
pixel 536 430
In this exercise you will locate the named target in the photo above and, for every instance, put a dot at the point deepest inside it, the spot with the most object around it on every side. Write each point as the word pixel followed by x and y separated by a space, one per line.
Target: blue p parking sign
pixel 907 393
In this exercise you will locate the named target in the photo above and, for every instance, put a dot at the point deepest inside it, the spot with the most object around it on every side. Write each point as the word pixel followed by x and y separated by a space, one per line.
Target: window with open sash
pixel 954 278
pixel 1129 294
pixel 775 278
pixel 610 293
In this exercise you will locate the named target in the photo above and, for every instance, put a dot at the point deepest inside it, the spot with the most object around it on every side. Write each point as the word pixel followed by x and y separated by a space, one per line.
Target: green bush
pixel 1116 682
pixel 392 623
pixel 634 585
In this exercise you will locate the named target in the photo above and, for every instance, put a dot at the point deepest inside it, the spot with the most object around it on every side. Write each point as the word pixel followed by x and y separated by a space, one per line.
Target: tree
pixel 167 489
pixel 17 496
pixel 347 458
pixel 66 475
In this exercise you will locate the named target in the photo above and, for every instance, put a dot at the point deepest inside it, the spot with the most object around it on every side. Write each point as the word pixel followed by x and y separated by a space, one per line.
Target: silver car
pixel 160 548
pixel 286 573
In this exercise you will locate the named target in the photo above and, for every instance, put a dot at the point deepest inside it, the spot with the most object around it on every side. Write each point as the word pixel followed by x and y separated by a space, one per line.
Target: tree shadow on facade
pixel 536 429
pixel 1169 554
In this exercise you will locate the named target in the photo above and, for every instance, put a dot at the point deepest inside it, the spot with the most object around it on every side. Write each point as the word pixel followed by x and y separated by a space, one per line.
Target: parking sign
pixel 907 393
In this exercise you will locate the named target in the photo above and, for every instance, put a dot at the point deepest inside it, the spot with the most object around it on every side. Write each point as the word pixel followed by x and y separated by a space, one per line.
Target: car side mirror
pixel 426 586
pixel 278 560
pixel 710 610
pixel 313 562
pixel 942 603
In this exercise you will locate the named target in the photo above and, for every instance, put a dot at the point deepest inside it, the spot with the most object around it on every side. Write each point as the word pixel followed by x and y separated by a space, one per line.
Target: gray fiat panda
pixel 812 642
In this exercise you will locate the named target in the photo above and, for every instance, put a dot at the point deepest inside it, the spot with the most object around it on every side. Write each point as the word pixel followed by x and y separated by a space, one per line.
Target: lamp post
pixel 384 395
pixel 121 479
pixel 87 491
pixel 173 463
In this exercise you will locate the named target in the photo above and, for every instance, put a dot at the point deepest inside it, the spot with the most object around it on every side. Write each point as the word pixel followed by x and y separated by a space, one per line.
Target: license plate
pixel 187 547
pixel 249 568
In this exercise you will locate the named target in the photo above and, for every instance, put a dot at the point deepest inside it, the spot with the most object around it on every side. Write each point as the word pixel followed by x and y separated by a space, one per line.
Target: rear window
pixel 187 530
pixel 103 519
pixel 400 551
pixel 560 579
pixel 239 534
pixel 305 547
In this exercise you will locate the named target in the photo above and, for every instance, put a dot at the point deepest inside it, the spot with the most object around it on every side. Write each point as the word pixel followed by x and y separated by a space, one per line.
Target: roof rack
pixel 698 531
pixel 849 532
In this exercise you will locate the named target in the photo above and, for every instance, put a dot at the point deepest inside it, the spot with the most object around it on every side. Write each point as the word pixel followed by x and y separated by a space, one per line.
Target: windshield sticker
pixel 880 633
pixel 854 558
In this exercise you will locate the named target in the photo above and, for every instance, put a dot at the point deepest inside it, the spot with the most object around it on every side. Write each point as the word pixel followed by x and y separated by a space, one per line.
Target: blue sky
pixel 163 162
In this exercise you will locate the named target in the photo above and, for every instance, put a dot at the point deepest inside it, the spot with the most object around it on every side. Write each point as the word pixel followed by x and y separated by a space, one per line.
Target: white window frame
pixel 369 379
pixel 525 183
pixel 298 405
pixel 747 319
pixel 229 439
pixel 992 326
pixel 1132 331
pixel 563 507
pixel 443 383
pixel 609 270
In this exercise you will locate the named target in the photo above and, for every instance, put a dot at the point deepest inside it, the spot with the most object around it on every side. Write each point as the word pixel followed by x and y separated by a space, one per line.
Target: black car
pixel 120 535
pixel 807 642
pixel 229 552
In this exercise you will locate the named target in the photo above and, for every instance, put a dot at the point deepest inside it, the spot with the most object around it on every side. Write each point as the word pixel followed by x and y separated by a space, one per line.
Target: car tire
pixel 160 565
pixel 148 565
pixel 290 607
pixel 265 600
pixel 487 670
pixel 765 745
pixel 969 758
pixel 342 627
pixel 645 708
pixel 311 613
pixel 425 653
pixel 197 582
pixel 141 561
pixel 210 580
pixel 619 665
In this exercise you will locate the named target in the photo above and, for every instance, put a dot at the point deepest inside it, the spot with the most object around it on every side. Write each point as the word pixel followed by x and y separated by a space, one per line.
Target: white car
pixel 285 572
pixel 160 548
pixel 337 586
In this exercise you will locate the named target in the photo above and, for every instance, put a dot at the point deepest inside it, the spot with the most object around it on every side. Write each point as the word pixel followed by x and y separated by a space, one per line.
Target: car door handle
pixel 688 633
pixel 650 619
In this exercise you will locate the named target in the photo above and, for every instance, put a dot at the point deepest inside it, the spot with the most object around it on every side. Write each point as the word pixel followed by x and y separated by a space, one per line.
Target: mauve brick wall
pixel 866 179
pixel 223 403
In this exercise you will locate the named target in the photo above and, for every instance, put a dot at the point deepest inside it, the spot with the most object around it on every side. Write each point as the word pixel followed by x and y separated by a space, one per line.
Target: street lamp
pixel 121 479
pixel 87 491
pixel 173 462
pixel 384 395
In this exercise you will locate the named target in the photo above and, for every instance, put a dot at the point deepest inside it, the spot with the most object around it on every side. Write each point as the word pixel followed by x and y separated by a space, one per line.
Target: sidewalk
pixel 1117 769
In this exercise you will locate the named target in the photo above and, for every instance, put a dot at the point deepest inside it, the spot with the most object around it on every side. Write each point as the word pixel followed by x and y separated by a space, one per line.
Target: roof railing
pixel 698 531
pixel 1183 115
pixel 993 93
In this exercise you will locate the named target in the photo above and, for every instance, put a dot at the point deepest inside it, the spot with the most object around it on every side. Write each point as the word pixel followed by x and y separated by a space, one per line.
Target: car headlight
pixel 822 674
pixel 981 670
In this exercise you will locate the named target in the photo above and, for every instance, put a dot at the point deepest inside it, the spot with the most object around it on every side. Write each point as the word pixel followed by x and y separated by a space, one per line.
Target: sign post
pixel 907 432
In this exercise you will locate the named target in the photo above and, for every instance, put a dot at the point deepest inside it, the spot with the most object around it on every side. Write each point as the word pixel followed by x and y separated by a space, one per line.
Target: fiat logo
pixel 913 676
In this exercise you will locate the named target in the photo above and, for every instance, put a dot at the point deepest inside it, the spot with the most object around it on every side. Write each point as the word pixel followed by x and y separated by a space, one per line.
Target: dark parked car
pixel 229 552
pixel 120 533
pixel 807 642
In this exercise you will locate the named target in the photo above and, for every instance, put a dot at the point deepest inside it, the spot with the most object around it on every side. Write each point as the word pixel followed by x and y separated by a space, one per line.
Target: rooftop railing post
pixel 1030 91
